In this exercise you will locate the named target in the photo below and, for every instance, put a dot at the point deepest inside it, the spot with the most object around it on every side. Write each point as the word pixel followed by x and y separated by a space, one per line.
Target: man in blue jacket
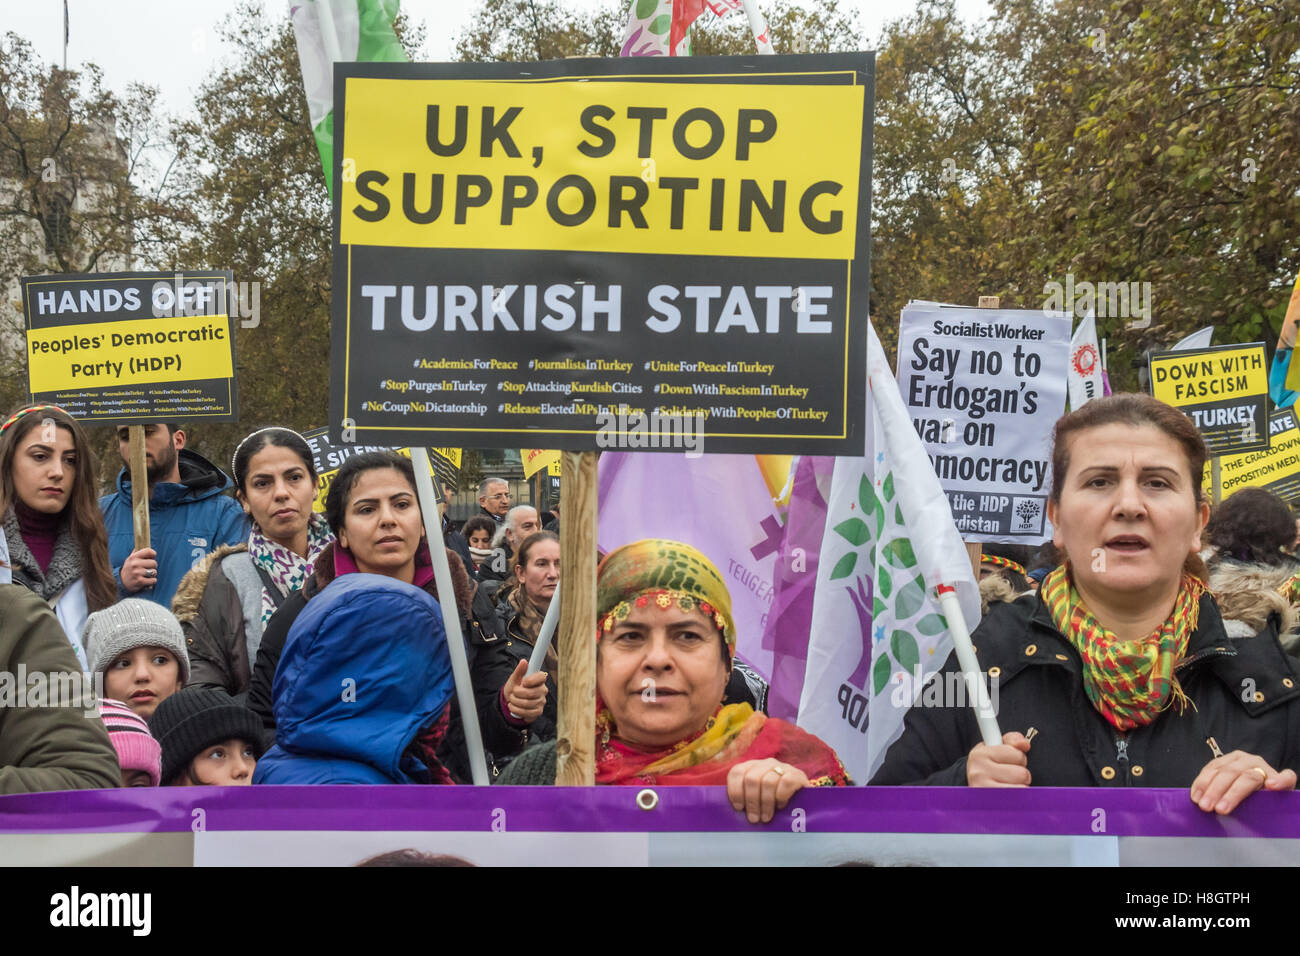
pixel 189 515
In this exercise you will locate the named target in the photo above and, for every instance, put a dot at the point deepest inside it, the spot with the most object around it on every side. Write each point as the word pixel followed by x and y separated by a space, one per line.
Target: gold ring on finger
pixel 779 771
pixel 1263 775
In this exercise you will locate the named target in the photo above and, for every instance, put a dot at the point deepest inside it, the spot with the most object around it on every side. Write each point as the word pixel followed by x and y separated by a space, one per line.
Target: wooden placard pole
pixel 974 549
pixel 1216 476
pixel 139 487
pixel 576 682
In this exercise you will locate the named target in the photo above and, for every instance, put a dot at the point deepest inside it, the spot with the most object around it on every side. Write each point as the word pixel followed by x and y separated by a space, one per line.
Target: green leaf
pixel 660 24
pixel 645 7
pixel 870 503
pixel 844 566
pixel 899 553
pixel 883 584
pixel 910 598
pixel 867 495
pixel 905 652
pixel 931 625
pixel 880 673
pixel 898 515
pixel 888 487
pixel 854 531
pixel 878 607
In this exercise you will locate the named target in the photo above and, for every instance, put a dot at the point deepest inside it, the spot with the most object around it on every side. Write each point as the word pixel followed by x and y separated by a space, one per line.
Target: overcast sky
pixel 171 44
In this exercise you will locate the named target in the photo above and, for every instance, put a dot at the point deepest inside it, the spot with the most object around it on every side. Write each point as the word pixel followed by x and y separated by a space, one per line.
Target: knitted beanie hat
pixel 135 746
pixel 132 623
pixel 195 718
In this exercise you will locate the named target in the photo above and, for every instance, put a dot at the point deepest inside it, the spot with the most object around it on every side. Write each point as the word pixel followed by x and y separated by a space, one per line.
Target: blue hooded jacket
pixel 187 520
pixel 364 669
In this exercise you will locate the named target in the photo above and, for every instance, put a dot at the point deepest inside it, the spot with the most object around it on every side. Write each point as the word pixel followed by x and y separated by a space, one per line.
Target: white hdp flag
pixel 877 631
pixel 1085 364
pixel 1197 340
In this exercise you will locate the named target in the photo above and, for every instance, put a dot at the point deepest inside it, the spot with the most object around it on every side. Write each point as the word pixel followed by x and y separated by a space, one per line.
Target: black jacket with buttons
pixel 1246 694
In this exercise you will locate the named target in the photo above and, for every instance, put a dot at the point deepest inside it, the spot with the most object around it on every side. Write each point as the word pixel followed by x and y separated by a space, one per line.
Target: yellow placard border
pixel 230 397
pixel 612 77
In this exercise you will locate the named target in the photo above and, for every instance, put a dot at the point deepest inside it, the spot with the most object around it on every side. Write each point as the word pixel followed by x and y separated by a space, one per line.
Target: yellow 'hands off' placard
pixel 128 348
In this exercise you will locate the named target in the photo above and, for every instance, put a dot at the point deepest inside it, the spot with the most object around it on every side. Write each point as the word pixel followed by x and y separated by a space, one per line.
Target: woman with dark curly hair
pixel 1250 571
pixel 1253 526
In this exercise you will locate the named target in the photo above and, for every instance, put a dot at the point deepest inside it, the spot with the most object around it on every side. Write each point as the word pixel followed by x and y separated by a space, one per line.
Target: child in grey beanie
pixel 140 649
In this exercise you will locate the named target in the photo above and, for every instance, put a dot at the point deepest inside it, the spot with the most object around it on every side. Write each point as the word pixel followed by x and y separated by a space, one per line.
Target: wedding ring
pixel 1263 775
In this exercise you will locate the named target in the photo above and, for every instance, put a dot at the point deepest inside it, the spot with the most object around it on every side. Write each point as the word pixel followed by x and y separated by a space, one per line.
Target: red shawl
pixel 742 735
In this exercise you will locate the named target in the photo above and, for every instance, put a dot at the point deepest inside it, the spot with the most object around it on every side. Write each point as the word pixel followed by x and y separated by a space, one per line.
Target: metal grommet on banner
pixel 647 799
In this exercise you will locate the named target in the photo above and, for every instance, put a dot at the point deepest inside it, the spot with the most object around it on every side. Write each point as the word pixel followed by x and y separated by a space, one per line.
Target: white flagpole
pixel 970 668
pixel 758 26
pixel 450 614
pixel 545 634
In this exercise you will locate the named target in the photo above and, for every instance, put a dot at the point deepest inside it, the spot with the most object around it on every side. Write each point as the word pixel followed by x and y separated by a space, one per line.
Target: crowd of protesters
pixel 259 642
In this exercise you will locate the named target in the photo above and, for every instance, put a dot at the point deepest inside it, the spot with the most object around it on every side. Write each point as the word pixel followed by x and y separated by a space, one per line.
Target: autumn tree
pixel 1161 145
pixel 83 184
pixel 511 30
pixel 1145 141
pixel 945 152
pixel 251 172
pixel 522 30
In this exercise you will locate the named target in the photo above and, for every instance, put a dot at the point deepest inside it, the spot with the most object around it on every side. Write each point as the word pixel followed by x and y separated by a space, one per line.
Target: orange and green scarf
pixel 1129 682
pixel 995 561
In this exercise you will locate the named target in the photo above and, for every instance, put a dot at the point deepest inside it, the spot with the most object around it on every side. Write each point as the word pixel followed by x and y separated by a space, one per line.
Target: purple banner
pixel 1036 811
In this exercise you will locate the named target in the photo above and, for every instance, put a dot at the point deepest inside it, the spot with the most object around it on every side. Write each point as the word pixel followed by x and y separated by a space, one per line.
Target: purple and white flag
pixel 877 631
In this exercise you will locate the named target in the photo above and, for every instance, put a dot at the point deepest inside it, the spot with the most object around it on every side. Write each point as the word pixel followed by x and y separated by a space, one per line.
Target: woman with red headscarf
pixel 666 639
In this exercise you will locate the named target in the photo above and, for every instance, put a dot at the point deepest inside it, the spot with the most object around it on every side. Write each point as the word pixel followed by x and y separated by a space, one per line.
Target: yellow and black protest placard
pixel 132 347
pixel 614 166
pixel 573 252
pixel 1223 389
pixel 535 459
pixel 1276 468
pixel 328 458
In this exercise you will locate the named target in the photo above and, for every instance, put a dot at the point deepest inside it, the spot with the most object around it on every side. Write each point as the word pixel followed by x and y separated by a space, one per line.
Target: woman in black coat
pixel 1120 663
pixel 374 511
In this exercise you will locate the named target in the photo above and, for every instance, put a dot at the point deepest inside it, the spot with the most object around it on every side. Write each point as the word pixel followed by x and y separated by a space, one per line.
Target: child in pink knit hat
pixel 138 753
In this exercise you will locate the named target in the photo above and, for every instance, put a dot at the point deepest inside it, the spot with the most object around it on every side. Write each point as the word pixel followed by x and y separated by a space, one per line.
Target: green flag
pixel 330 31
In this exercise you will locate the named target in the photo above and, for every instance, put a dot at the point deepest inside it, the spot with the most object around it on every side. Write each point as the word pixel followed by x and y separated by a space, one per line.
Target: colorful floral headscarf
pixel 666 572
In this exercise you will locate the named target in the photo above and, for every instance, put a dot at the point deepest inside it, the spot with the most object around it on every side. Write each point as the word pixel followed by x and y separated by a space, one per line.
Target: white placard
pixel 984 387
